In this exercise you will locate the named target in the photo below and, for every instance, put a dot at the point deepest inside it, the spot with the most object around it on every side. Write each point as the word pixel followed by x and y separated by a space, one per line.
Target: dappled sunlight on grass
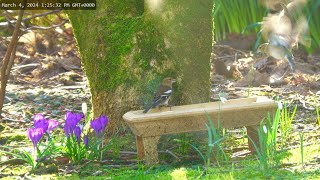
pixel 179 174
pixel 310 156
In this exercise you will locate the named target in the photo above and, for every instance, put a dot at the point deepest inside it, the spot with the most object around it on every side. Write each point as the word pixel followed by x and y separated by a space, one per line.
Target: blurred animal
pixel 284 30
pixel 162 95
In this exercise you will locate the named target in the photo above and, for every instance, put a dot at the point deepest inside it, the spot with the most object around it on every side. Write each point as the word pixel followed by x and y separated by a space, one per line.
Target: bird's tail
pixel 147 109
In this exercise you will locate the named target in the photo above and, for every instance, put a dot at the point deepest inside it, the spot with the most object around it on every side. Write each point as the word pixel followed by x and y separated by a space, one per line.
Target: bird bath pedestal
pixel 149 127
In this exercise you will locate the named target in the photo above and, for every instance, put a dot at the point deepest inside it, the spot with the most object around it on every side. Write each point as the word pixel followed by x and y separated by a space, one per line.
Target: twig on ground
pixel 171 153
pixel 124 152
pixel 26 65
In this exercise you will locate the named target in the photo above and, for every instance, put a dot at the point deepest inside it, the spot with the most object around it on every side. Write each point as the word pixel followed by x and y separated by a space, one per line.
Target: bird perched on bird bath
pixel 162 95
pixel 284 30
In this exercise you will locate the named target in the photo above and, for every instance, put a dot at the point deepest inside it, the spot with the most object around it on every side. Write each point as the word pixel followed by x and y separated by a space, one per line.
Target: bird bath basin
pixel 148 127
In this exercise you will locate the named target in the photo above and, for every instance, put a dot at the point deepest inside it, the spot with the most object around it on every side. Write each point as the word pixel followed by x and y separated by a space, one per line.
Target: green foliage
pixel 244 13
pixel 97 150
pixel 73 150
pixel 313 17
pixel 19 154
pixel 246 17
pixel 215 139
pixel 318 115
pixel 301 134
pixel 38 155
pixel 267 149
pixel 251 77
pixel 185 141
pixel 317 110
pixel 94 150
pixel 214 142
pixel 286 123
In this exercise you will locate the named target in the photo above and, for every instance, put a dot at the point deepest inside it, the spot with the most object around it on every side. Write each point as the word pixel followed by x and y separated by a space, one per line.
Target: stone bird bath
pixel 235 113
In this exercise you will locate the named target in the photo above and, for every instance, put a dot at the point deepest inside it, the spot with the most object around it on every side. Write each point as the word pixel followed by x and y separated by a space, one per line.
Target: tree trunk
pixel 128 46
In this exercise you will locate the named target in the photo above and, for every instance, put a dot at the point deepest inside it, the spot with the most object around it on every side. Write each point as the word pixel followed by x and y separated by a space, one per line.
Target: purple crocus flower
pixel 52 125
pixel 72 120
pixel 86 141
pixel 104 122
pixel 77 132
pixel 40 122
pixel 99 124
pixel 35 134
pixel 46 125
pixel 76 117
pixel 96 126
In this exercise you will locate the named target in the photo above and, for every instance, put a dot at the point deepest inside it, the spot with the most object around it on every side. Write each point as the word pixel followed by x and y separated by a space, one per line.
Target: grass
pixel 272 161
pixel 294 155
pixel 215 137
pixel 185 141
pixel 318 115
pixel 241 168
pixel 267 149
pixel 268 153
pixel 246 169
pixel 301 135
pixel 317 110
pixel 213 145
pixel 251 77
pixel 286 123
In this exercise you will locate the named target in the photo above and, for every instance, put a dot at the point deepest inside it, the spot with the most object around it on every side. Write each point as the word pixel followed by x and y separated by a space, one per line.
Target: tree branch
pixel 46 28
pixel 7 60
pixel 29 18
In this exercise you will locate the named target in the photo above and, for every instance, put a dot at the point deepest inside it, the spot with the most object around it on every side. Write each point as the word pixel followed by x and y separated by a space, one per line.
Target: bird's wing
pixel 300 32
pixel 295 8
pixel 288 27
pixel 274 5
pixel 280 40
pixel 162 95
pixel 276 24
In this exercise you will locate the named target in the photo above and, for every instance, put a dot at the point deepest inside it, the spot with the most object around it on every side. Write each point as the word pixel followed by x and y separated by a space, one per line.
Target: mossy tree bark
pixel 128 46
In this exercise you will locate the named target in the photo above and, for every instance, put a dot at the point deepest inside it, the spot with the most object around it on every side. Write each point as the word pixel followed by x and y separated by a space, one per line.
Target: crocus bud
pixel 35 134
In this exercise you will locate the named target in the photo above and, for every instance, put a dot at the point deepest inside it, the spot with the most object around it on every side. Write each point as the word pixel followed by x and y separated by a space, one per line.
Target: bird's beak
pixel 173 80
